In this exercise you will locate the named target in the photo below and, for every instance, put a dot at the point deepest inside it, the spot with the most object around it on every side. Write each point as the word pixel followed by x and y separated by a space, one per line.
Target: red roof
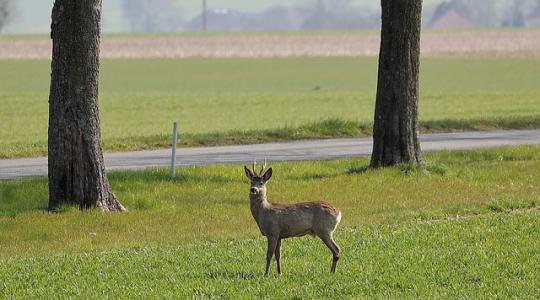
pixel 451 19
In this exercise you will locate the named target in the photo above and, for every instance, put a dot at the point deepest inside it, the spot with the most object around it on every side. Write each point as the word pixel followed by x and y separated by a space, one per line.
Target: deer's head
pixel 258 180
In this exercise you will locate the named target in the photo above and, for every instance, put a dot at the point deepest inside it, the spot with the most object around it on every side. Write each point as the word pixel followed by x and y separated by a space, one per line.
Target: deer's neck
pixel 257 204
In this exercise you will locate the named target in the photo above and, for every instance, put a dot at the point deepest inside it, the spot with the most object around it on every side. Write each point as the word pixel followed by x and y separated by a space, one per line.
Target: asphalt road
pixel 287 151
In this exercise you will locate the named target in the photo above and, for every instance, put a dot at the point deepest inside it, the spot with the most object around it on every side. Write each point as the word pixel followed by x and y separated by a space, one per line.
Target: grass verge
pixel 330 128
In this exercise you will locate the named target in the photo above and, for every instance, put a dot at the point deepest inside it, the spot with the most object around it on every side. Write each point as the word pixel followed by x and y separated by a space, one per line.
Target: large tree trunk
pixel 395 130
pixel 76 169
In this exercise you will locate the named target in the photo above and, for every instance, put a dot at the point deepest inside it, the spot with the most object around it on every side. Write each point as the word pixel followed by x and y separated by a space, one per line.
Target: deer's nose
pixel 253 190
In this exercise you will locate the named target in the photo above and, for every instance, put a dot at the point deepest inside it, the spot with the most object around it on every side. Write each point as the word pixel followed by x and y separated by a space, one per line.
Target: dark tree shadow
pixel 234 275
pixel 358 170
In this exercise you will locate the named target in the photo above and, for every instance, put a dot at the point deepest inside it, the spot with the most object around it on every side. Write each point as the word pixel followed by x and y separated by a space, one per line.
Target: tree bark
pixel 76 168
pixel 395 130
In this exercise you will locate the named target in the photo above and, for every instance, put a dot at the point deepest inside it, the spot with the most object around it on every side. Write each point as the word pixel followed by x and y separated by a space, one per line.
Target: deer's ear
pixel 267 175
pixel 249 174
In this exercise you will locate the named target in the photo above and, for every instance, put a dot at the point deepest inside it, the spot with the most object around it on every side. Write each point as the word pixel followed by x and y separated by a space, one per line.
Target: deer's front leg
pixel 278 256
pixel 272 243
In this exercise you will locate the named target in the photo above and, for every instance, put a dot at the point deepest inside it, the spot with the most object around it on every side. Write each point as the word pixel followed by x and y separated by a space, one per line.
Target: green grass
pixel 465 226
pixel 223 101
pixel 494 256
pixel 164 209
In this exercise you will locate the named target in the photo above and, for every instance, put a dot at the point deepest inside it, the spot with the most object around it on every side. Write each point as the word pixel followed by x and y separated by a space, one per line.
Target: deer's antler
pixel 263 167
pixel 254 165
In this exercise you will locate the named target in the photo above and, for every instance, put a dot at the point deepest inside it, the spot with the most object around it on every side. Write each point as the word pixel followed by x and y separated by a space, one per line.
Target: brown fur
pixel 280 221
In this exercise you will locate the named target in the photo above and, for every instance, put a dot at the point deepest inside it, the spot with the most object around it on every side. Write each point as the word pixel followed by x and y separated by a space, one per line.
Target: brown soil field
pixel 474 44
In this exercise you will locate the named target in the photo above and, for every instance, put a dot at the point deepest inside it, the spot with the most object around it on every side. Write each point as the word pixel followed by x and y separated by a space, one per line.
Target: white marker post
pixel 174 142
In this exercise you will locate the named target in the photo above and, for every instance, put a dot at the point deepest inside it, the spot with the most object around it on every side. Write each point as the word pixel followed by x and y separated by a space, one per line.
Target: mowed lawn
pixel 466 226
pixel 224 101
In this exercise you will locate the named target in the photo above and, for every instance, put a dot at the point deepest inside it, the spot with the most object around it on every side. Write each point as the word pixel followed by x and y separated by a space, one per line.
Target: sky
pixel 33 16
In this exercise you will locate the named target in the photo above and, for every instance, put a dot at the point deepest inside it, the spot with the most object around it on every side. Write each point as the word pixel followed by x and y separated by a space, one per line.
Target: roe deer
pixel 278 221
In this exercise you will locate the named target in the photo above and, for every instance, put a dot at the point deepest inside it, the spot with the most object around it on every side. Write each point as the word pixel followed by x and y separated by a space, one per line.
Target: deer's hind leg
pixel 334 248
pixel 277 253
pixel 272 243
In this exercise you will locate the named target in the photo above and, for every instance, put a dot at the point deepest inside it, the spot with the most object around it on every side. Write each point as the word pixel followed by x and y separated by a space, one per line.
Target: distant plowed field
pixel 478 44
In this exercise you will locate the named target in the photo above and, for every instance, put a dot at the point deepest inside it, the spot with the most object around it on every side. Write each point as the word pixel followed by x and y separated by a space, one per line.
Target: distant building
pixel 274 19
pixel 282 18
pixel 220 20
pixel 533 19
pixel 451 14
pixel 451 19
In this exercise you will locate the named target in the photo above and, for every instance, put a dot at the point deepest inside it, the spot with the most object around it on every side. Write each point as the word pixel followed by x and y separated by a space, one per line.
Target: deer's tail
pixel 338 218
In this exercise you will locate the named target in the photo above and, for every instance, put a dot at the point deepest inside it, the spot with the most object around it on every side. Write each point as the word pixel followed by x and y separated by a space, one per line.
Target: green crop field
pixel 221 101
pixel 466 226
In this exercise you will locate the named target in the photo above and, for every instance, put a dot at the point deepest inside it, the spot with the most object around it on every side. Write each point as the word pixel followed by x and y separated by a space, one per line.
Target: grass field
pixel 223 101
pixel 498 44
pixel 466 226
pixel 493 256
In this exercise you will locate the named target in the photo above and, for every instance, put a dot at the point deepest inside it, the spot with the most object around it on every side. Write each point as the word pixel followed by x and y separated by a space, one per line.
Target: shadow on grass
pixel 164 175
pixel 358 170
pixel 427 169
pixel 19 196
pixel 508 205
pixel 404 168
pixel 234 275
pixel 515 153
